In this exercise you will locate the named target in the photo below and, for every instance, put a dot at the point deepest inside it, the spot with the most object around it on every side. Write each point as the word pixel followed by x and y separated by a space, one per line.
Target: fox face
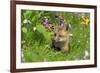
pixel 60 36
pixel 61 39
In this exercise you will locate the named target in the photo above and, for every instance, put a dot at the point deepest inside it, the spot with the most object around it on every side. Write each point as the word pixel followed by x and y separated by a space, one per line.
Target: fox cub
pixel 60 39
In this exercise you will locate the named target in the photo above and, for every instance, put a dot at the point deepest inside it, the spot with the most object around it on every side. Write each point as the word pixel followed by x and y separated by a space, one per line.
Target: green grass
pixel 37 46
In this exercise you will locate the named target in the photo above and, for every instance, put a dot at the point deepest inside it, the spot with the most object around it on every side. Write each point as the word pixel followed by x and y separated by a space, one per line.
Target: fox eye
pixel 61 35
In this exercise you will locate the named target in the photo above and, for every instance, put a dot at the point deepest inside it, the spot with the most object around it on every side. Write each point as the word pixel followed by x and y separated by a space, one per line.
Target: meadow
pixel 36 43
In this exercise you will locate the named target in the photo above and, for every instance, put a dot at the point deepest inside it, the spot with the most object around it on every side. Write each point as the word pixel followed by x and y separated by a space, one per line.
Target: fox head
pixel 61 34
pixel 61 38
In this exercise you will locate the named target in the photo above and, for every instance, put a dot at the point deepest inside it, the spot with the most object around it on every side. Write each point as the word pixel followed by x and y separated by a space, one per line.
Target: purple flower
pixel 62 20
pixel 45 21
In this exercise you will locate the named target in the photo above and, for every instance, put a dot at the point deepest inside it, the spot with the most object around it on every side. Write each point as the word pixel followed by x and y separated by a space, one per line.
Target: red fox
pixel 60 38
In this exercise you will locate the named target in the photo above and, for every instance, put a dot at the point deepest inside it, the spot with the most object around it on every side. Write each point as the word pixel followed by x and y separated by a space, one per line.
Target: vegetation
pixel 36 40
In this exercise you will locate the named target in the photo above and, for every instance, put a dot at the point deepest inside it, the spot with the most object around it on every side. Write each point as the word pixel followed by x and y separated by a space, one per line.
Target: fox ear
pixel 68 27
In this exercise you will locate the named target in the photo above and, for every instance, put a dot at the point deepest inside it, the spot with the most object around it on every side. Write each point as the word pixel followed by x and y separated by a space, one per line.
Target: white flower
pixel 26 21
pixel 86 54
pixel 71 35
pixel 22 56
pixel 34 29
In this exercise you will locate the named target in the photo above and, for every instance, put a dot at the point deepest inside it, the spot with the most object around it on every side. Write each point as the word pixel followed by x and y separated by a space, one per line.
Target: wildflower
pixel 85 20
pixel 86 54
pixel 26 22
pixel 45 21
pixel 69 25
pixel 71 35
pixel 61 20
pixel 34 29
